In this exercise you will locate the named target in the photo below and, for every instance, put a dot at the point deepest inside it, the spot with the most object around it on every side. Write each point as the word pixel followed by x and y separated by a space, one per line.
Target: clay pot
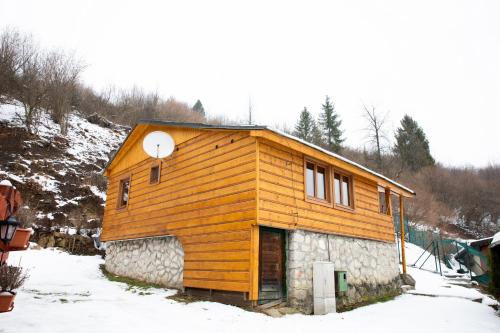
pixel 3 257
pixel 21 239
pixel 6 302
pixel 19 242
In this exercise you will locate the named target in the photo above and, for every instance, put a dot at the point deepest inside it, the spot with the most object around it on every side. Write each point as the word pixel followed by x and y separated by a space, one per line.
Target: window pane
pixel 382 202
pixel 310 179
pixel 336 182
pixel 155 175
pixel 125 188
pixel 345 191
pixel 321 183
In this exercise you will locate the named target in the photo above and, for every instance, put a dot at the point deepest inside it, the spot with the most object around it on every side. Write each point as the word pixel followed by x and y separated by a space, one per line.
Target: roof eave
pixel 257 128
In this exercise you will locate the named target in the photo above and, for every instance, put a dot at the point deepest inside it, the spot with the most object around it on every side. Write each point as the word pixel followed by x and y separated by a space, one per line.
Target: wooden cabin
pixel 232 196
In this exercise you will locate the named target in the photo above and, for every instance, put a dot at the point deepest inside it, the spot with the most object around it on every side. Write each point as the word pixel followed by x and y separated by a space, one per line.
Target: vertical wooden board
pixel 402 233
pixel 254 242
pixel 254 263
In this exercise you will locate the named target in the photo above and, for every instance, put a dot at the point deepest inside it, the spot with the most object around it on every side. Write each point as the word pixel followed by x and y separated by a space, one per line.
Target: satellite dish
pixel 158 144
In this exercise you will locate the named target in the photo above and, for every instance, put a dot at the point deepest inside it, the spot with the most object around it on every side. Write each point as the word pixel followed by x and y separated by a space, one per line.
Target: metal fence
pixel 444 251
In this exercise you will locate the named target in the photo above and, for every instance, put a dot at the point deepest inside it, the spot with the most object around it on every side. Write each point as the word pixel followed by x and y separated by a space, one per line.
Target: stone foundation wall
pixel 372 267
pixel 158 260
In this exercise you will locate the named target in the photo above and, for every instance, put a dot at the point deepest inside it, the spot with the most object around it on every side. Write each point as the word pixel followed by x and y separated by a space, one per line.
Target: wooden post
pixel 254 262
pixel 388 200
pixel 402 229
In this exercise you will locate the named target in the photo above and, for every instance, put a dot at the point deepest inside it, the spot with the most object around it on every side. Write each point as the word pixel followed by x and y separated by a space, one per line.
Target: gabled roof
pixel 259 128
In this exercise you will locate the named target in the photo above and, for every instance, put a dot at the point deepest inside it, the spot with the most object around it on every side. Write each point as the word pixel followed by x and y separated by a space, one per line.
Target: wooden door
pixel 271 264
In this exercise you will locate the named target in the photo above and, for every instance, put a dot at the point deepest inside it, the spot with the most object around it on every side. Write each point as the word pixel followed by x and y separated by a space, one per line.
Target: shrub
pixel 11 278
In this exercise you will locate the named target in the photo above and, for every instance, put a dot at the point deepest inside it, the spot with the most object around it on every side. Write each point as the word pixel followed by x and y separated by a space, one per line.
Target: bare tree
pixel 89 102
pixel 376 131
pixel 31 91
pixel 15 50
pixel 134 104
pixel 27 84
pixel 173 110
pixel 61 76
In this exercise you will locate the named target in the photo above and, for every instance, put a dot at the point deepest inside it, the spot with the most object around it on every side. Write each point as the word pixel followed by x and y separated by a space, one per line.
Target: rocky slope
pixel 58 175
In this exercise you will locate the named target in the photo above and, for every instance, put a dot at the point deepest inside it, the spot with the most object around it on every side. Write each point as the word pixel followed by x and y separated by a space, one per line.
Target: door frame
pixel 283 234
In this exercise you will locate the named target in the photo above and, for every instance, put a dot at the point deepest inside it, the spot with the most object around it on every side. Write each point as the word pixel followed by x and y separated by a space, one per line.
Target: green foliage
pixel 330 126
pixel 412 146
pixel 316 135
pixel 306 128
pixel 198 107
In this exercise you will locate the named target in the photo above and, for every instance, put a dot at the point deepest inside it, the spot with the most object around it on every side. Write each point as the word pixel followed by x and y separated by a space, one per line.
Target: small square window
pixel 154 174
pixel 124 192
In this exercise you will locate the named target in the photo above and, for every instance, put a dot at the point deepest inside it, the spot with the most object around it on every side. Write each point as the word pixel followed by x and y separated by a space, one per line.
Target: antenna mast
pixel 250 110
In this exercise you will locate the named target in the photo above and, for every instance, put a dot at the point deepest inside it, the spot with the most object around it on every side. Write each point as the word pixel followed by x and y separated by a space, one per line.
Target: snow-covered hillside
pixel 57 173
pixel 69 293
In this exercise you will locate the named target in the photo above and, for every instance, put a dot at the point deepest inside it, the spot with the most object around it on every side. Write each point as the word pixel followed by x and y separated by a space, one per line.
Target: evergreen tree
pixel 316 135
pixel 330 126
pixel 305 125
pixel 412 146
pixel 198 107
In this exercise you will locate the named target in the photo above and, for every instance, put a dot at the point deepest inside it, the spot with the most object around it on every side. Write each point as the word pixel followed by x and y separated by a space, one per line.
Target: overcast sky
pixel 438 61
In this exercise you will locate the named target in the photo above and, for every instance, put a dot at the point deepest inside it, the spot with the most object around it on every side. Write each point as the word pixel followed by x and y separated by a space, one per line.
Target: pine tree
pixel 316 135
pixel 330 126
pixel 412 146
pixel 305 125
pixel 198 107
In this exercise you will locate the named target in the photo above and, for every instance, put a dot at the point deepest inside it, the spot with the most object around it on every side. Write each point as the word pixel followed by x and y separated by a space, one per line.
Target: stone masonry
pixel 372 267
pixel 158 260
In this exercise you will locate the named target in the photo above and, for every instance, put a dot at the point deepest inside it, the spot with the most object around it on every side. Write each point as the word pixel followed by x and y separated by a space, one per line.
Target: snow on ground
pixel 414 253
pixel 434 284
pixel 69 293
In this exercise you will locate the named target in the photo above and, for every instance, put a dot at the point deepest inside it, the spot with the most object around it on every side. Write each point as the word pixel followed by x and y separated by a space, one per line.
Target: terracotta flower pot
pixel 19 242
pixel 6 302
pixel 21 238
pixel 3 257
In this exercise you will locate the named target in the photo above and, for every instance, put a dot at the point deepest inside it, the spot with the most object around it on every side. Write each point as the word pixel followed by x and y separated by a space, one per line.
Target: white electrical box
pixel 324 287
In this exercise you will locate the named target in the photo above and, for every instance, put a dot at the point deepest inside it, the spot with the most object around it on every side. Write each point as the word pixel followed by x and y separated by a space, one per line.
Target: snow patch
pixel 48 183
pixel 98 193
pixel 63 289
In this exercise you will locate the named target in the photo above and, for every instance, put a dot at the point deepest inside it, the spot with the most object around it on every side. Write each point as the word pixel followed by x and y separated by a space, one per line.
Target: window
pixel 124 192
pixel 317 182
pixel 384 195
pixel 342 185
pixel 154 174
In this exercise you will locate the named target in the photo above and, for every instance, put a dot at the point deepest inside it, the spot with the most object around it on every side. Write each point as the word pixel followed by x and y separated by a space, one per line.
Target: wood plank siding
pixel 282 201
pixel 220 185
pixel 206 197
